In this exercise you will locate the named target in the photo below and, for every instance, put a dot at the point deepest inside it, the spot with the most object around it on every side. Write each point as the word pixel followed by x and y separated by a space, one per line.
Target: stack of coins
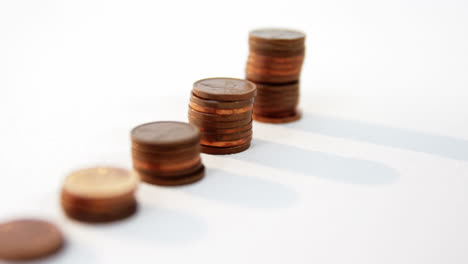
pixel 101 194
pixel 274 65
pixel 222 109
pixel 29 239
pixel 167 153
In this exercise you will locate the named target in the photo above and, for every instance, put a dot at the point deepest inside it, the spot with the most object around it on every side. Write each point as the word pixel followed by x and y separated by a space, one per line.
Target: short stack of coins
pixel 274 65
pixel 101 194
pixel 167 153
pixel 222 109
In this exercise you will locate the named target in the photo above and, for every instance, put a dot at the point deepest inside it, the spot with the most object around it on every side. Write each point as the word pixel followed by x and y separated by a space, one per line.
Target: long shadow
pixel 318 164
pixel 242 190
pixel 448 147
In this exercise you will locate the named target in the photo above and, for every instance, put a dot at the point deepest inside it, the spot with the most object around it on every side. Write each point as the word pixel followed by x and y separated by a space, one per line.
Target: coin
pixel 219 111
pixel 28 239
pixel 180 180
pixel 286 119
pixel 224 151
pixel 217 125
pixel 226 137
pixel 220 104
pixel 224 89
pixel 220 118
pixel 230 143
pixel 165 134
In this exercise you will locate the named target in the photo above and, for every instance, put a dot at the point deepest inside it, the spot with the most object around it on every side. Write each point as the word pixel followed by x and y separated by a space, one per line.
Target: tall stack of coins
pixel 222 109
pixel 167 153
pixel 100 194
pixel 274 65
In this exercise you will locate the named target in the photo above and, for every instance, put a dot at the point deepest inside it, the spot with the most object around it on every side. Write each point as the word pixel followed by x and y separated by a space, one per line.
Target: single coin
pixel 224 131
pixel 226 137
pixel 272 79
pixel 165 134
pixel 220 104
pixel 28 239
pixel 277 113
pixel 165 158
pixel 224 144
pixel 170 174
pixel 277 35
pixel 264 59
pixel 71 200
pixel 296 116
pixel 224 89
pixel 261 87
pixel 219 118
pixel 224 151
pixel 100 182
pixel 166 167
pixel 268 71
pixel 165 152
pixel 218 111
pixel 181 180
pixel 200 123
pixel 268 95
pixel 275 103
pixel 85 215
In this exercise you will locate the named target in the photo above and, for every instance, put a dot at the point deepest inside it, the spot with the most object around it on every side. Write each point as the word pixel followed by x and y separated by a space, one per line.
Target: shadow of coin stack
pixel 274 65
pixel 222 109
pixel 167 153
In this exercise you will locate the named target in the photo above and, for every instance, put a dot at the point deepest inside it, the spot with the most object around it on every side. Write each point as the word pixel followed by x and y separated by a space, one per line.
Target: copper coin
pixel 70 202
pixel 224 151
pixel 166 134
pixel 219 118
pixel 100 182
pixel 291 118
pixel 166 157
pixel 211 124
pixel 73 200
pixel 265 59
pixel 84 215
pixel 166 167
pixel 262 87
pixel 222 131
pixel 221 104
pixel 277 36
pixel 266 96
pixel 219 111
pixel 226 137
pixel 171 174
pixel 224 144
pixel 277 113
pixel 224 89
pixel 28 239
pixel 181 180
pixel 182 150
pixel 275 104
pixel 268 78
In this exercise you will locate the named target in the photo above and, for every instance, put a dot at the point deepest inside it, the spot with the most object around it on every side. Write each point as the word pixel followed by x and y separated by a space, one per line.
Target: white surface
pixel 376 172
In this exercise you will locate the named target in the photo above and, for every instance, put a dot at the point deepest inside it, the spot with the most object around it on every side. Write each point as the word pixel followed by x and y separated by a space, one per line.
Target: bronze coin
pixel 100 182
pixel 28 239
pixel 220 104
pixel 268 50
pixel 169 152
pixel 69 202
pixel 275 113
pixel 166 167
pixel 263 87
pixel 166 157
pixel 180 180
pixel 226 137
pixel 224 89
pixel 265 59
pixel 222 131
pixel 224 151
pixel 276 120
pixel 171 174
pixel 165 134
pixel 73 200
pixel 225 144
pixel 277 95
pixel 275 79
pixel 219 118
pixel 276 103
pixel 84 215
pixel 277 36
pixel 219 111
pixel 211 124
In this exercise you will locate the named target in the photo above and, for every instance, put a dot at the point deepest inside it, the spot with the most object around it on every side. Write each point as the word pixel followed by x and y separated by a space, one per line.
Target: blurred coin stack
pixel 274 65
pixel 167 153
pixel 99 194
pixel 222 109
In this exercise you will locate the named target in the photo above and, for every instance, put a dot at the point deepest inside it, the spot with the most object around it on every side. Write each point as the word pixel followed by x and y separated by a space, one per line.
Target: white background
pixel 375 172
